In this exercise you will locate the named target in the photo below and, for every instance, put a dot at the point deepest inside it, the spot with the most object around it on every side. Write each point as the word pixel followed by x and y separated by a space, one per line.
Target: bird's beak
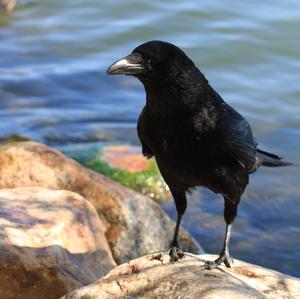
pixel 128 65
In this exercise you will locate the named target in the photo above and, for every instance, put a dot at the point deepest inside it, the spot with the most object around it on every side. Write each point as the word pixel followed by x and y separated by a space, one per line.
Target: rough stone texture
pixel 51 242
pixel 155 277
pixel 134 224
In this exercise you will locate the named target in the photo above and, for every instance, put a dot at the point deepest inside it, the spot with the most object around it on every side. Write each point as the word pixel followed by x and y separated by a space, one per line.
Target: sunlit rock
pixel 154 276
pixel 51 242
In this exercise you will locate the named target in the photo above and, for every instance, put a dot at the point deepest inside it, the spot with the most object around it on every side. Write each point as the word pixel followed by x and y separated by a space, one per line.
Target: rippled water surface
pixel 53 88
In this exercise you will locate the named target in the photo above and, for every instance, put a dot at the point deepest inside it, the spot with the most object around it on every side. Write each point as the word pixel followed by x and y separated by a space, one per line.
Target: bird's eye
pixel 148 63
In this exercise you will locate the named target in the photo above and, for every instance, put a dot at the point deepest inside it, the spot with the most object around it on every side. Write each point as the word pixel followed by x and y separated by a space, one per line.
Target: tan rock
pixel 134 224
pixel 51 242
pixel 155 277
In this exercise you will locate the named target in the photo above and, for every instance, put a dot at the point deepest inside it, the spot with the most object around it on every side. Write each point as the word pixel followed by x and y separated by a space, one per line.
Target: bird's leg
pixel 181 204
pixel 224 256
pixel 230 212
pixel 175 252
pixel 174 242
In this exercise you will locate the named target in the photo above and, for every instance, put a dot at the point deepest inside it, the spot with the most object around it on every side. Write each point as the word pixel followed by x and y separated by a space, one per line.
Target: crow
pixel 196 138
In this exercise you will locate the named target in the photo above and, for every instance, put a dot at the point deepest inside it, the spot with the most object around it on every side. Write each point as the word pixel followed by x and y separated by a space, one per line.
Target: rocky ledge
pixel 154 276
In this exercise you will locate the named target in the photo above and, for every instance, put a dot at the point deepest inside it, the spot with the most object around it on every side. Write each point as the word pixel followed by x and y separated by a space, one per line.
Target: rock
pixel 153 276
pixel 51 242
pixel 7 5
pixel 134 224
pixel 125 164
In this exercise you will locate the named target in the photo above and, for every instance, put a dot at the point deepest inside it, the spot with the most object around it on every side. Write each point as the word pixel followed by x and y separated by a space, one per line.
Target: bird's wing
pixel 237 137
pixel 143 123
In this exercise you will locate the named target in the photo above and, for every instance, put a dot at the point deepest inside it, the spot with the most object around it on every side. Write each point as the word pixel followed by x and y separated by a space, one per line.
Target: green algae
pixel 149 181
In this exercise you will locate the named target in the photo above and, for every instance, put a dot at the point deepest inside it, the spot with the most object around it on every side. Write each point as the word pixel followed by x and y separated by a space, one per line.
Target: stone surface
pixel 51 242
pixel 154 276
pixel 134 224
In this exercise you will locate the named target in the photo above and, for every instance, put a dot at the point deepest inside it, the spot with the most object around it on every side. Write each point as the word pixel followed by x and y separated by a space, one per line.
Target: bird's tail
pixel 271 160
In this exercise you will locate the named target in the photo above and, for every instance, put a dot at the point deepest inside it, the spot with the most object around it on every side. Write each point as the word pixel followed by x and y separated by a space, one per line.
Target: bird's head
pixel 152 61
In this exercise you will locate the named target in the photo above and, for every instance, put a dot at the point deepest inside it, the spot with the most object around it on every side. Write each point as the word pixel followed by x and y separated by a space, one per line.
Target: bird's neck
pixel 184 92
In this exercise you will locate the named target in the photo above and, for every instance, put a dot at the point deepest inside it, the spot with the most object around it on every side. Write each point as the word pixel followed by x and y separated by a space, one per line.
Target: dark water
pixel 53 55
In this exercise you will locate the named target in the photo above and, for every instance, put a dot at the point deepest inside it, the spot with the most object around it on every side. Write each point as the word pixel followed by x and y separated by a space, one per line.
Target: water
pixel 53 88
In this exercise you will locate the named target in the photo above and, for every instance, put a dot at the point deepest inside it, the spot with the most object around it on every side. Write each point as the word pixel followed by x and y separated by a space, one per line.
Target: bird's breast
pixel 183 154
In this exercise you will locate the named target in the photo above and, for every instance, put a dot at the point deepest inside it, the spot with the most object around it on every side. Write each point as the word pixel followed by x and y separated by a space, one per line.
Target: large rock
pixel 51 242
pixel 134 224
pixel 154 276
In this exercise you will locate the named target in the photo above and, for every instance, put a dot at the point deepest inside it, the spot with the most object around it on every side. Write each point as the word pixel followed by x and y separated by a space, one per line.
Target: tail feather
pixel 271 160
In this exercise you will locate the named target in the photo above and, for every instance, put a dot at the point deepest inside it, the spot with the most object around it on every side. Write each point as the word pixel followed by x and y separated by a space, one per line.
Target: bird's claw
pixel 175 254
pixel 228 261
pixel 223 258
pixel 174 243
pixel 209 265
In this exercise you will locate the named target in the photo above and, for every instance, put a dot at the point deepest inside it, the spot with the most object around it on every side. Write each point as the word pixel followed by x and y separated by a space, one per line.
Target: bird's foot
pixel 223 258
pixel 175 254
pixel 174 243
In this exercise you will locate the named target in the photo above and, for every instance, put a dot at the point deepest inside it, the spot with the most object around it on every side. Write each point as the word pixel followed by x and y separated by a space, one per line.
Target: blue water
pixel 53 88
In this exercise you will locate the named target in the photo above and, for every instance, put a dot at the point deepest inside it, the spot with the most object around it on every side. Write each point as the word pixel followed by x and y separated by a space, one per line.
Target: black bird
pixel 196 138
